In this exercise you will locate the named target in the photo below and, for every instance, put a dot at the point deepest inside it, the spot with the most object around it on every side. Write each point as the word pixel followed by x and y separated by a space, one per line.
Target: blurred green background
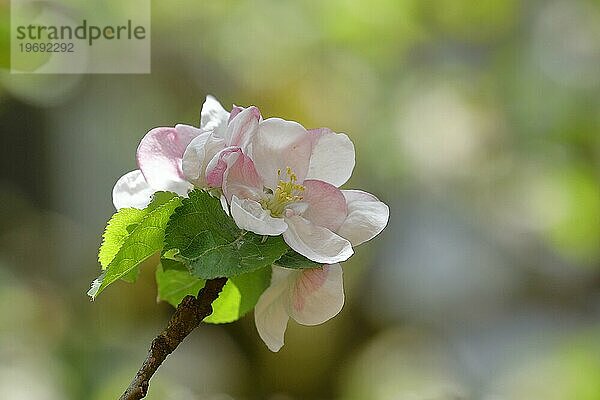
pixel 478 122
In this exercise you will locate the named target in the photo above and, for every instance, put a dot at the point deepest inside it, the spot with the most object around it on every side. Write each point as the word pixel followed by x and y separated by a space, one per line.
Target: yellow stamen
pixel 286 192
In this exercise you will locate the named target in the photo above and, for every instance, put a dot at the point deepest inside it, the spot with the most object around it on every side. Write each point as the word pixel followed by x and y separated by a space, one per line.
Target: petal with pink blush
pixel 251 216
pixel 159 157
pixel 132 190
pixel 310 297
pixel 235 110
pixel 277 145
pixel 218 165
pixel 270 314
pixel 326 204
pixel 367 217
pixel 332 158
pixel 242 128
pixel 198 154
pixel 315 242
pixel 316 295
pixel 241 179
pixel 189 131
pixel 213 117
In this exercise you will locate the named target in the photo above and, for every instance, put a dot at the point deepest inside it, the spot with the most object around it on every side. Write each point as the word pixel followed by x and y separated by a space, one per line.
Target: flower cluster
pixel 276 178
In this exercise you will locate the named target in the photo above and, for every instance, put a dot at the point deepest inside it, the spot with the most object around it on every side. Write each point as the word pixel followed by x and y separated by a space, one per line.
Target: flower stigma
pixel 286 192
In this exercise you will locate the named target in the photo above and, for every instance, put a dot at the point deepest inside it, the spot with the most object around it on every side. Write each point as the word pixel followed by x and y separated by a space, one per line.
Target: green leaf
pixel 132 275
pixel 174 284
pixel 210 243
pixel 117 229
pixel 294 260
pixel 141 240
pixel 168 264
pixel 239 295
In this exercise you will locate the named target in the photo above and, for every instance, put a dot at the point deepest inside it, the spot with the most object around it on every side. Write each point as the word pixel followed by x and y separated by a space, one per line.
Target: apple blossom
pixel 160 155
pixel 310 297
pixel 285 181
pixel 274 178
pixel 288 185
pixel 277 178
pixel 225 132
pixel 314 296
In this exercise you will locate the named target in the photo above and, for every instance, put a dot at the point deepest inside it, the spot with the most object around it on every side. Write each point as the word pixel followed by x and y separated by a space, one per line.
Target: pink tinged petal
pixel 235 111
pixel 332 157
pixel 326 204
pixel 132 190
pixel 316 295
pixel 241 179
pixel 213 117
pixel 242 128
pixel 198 154
pixel 188 131
pixel 279 144
pixel 367 217
pixel 315 242
pixel 249 215
pixel 159 157
pixel 217 166
pixel 270 314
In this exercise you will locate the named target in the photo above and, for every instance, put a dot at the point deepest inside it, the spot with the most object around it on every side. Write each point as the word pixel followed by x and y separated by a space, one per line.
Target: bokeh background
pixel 478 122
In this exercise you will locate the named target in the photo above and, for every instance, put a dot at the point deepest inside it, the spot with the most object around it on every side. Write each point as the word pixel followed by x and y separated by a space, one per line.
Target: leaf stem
pixel 188 315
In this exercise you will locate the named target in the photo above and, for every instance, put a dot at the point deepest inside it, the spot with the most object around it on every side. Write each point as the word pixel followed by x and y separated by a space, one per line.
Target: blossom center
pixel 286 192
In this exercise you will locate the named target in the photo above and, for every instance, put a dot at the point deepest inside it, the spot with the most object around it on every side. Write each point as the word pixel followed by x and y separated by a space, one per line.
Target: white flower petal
pixel 315 242
pixel 235 110
pixel 213 117
pixel 297 208
pixel 310 296
pixel 332 157
pixel 270 315
pixel 316 295
pixel 219 163
pixel 132 190
pixel 224 205
pixel 249 215
pixel 240 177
pixel 277 145
pixel 198 154
pixel 184 130
pixel 326 204
pixel 159 157
pixel 367 216
pixel 243 127
pixel 193 157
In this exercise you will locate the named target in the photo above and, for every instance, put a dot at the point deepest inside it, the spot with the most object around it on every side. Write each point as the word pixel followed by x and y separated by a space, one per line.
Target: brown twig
pixel 188 315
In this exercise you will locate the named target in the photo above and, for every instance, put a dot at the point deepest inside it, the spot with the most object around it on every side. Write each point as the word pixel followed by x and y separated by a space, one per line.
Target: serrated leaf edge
pixel 96 287
pixel 110 222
